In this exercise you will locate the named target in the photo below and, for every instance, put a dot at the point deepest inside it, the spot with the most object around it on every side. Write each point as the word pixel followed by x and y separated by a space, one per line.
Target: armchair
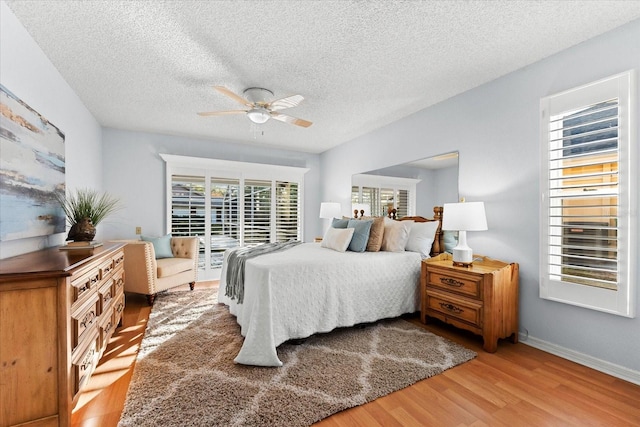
pixel 144 274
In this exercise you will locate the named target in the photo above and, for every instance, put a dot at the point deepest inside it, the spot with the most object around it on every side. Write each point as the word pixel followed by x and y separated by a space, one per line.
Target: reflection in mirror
pixel 412 188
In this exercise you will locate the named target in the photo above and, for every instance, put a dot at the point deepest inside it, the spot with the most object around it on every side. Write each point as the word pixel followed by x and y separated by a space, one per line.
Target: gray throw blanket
pixel 236 264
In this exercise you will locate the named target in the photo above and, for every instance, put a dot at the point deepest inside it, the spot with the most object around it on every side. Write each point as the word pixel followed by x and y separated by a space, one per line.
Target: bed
pixel 310 289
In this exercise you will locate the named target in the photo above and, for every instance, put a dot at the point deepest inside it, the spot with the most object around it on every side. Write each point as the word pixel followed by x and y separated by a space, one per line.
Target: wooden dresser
pixel 58 309
pixel 482 298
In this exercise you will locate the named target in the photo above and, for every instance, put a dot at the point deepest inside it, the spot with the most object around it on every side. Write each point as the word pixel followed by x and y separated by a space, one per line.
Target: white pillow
pixel 421 237
pixel 396 235
pixel 337 239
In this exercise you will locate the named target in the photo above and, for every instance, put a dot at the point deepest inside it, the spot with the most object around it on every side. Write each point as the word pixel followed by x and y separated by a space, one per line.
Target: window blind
pixel 257 212
pixel 287 212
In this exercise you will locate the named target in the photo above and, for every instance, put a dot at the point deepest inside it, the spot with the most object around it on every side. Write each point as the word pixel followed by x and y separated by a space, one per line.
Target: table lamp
pixel 330 210
pixel 463 217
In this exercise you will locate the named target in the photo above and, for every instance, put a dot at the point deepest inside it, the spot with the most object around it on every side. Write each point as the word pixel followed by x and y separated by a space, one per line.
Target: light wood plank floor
pixel 516 386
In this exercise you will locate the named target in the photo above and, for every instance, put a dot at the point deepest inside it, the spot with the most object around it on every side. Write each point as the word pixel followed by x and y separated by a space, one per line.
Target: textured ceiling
pixel 151 65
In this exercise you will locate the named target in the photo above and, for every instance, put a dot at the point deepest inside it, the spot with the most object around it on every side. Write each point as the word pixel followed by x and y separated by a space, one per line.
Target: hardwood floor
pixel 516 386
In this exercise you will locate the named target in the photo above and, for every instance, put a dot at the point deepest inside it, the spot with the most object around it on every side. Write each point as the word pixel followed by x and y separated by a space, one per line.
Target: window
pixel 381 193
pixel 229 204
pixel 587 189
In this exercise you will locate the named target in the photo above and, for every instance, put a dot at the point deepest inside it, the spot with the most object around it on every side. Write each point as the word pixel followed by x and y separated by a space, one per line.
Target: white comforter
pixel 309 289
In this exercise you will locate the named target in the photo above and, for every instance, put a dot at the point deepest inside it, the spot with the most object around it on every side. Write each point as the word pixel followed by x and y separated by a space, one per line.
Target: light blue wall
pixel 28 73
pixel 496 130
pixel 135 172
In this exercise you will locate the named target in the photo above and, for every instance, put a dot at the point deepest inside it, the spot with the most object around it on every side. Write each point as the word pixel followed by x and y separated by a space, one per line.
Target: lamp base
pixel 462 255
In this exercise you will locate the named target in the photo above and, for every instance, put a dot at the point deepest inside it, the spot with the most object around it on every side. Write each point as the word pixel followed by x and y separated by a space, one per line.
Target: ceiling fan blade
pixel 289 119
pixel 222 113
pixel 288 102
pixel 223 90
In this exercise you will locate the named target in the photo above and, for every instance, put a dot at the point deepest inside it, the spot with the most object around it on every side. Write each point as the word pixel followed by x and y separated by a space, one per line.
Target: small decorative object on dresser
pixel 481 298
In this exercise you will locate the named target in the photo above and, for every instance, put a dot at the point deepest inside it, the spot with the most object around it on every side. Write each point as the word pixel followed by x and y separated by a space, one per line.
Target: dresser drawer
pixel 106 268
pixel 118 282
pixel 118 308
pixel 106 294
pixel 83 286
pixel 466 310
pixel 118 259
pixel 84 320
pixel 463 284
pixel 84 363
pixel 107 326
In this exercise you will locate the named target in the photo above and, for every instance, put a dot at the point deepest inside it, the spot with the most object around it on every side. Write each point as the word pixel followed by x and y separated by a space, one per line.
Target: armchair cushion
pixel 171 266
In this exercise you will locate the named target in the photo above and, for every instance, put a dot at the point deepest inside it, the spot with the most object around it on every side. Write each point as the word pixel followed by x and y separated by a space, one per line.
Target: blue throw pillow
pixel 339 223
pixel 361 231
pixel 450 240
pixel 161 245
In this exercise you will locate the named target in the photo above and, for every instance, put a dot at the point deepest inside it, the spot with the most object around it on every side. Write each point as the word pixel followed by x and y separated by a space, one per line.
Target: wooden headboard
pixel 438 242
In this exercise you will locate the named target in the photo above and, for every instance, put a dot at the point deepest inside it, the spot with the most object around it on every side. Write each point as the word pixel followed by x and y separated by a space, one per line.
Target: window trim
pixel 206 167
pixel 622 301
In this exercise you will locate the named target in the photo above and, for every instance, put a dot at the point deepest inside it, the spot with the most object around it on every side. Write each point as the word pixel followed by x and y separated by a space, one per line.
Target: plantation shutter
pixel 287 212
pixel 225 218
pixel 257 212
pixel 586 225
pixel 187 205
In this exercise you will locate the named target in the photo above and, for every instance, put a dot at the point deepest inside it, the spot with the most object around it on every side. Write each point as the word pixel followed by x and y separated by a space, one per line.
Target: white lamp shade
pixel 330 210
pixel 469 216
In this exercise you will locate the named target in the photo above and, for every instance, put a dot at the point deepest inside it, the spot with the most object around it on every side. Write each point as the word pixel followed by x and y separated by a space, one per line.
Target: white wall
pixel 496 130
pixel 134 171
pixel 28 73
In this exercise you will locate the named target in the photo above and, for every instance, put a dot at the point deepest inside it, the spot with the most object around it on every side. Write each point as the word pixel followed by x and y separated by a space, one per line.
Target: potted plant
pixel 84 210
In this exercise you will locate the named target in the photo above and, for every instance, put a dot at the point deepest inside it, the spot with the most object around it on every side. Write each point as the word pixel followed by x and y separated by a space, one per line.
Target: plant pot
pixel 83 231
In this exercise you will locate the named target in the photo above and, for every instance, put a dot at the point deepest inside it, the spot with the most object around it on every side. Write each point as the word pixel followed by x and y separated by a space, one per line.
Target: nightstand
pixel 482 298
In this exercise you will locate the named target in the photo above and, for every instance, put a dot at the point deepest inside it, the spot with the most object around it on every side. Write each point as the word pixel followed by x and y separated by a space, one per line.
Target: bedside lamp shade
pixel 330 210
pixel 463 217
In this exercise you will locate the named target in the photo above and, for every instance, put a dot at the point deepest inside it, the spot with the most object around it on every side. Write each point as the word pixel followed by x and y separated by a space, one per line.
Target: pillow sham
pixel 421 237
pixel 376 234
pixel 337 239
pixel 161 245
pixel 362 229
pixel 396 235
pixel 340 223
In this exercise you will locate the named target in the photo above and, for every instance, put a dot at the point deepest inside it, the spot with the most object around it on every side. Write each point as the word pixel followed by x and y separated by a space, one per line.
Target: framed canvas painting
pixel 32 170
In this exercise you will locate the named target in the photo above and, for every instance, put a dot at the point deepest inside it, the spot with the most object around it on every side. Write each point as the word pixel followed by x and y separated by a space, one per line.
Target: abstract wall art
pixel 32 170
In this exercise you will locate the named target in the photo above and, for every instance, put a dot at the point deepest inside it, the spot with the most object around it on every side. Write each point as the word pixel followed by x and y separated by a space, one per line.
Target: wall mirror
pixel 412 188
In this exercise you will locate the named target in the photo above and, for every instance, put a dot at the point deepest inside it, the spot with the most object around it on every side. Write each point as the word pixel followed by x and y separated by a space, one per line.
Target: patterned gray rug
pixel 185 375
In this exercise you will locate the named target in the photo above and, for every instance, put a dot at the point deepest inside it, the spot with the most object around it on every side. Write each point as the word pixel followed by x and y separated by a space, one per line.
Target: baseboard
pixel 583 359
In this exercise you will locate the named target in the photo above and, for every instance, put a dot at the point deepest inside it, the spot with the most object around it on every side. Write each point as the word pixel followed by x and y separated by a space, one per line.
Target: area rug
pixel 185 374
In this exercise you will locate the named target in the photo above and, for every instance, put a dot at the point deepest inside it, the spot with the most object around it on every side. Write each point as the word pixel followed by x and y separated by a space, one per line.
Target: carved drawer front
pixel 106 268
pixel 106 294
pixel 83 286
pixel 118 282
pixel 470 285
pixel 118 308
pixel 84 320
pixel 84 363
pixel 460 309
pixel 107 326
pixel 118 260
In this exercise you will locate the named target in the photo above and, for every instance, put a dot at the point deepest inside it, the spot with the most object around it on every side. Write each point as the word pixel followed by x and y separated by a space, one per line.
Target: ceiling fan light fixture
pixel 258 115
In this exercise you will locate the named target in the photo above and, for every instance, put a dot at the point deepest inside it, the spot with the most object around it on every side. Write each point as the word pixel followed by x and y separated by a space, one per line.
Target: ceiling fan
pixel 259 110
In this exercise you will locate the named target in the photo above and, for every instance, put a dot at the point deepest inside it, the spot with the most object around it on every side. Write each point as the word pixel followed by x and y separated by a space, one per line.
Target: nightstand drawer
pixel 470 285
pixel 465 310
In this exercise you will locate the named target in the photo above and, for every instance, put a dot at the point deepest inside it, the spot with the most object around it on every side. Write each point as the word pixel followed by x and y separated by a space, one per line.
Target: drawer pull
pixel 119 308
pixel 95 279
pixel 87 361
pixel 450 307
pixel 119 260
pixel 107 297
pixel 88 319
pixel 108 327
pixel 83 288
pixel 451 282
pixel 119 282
